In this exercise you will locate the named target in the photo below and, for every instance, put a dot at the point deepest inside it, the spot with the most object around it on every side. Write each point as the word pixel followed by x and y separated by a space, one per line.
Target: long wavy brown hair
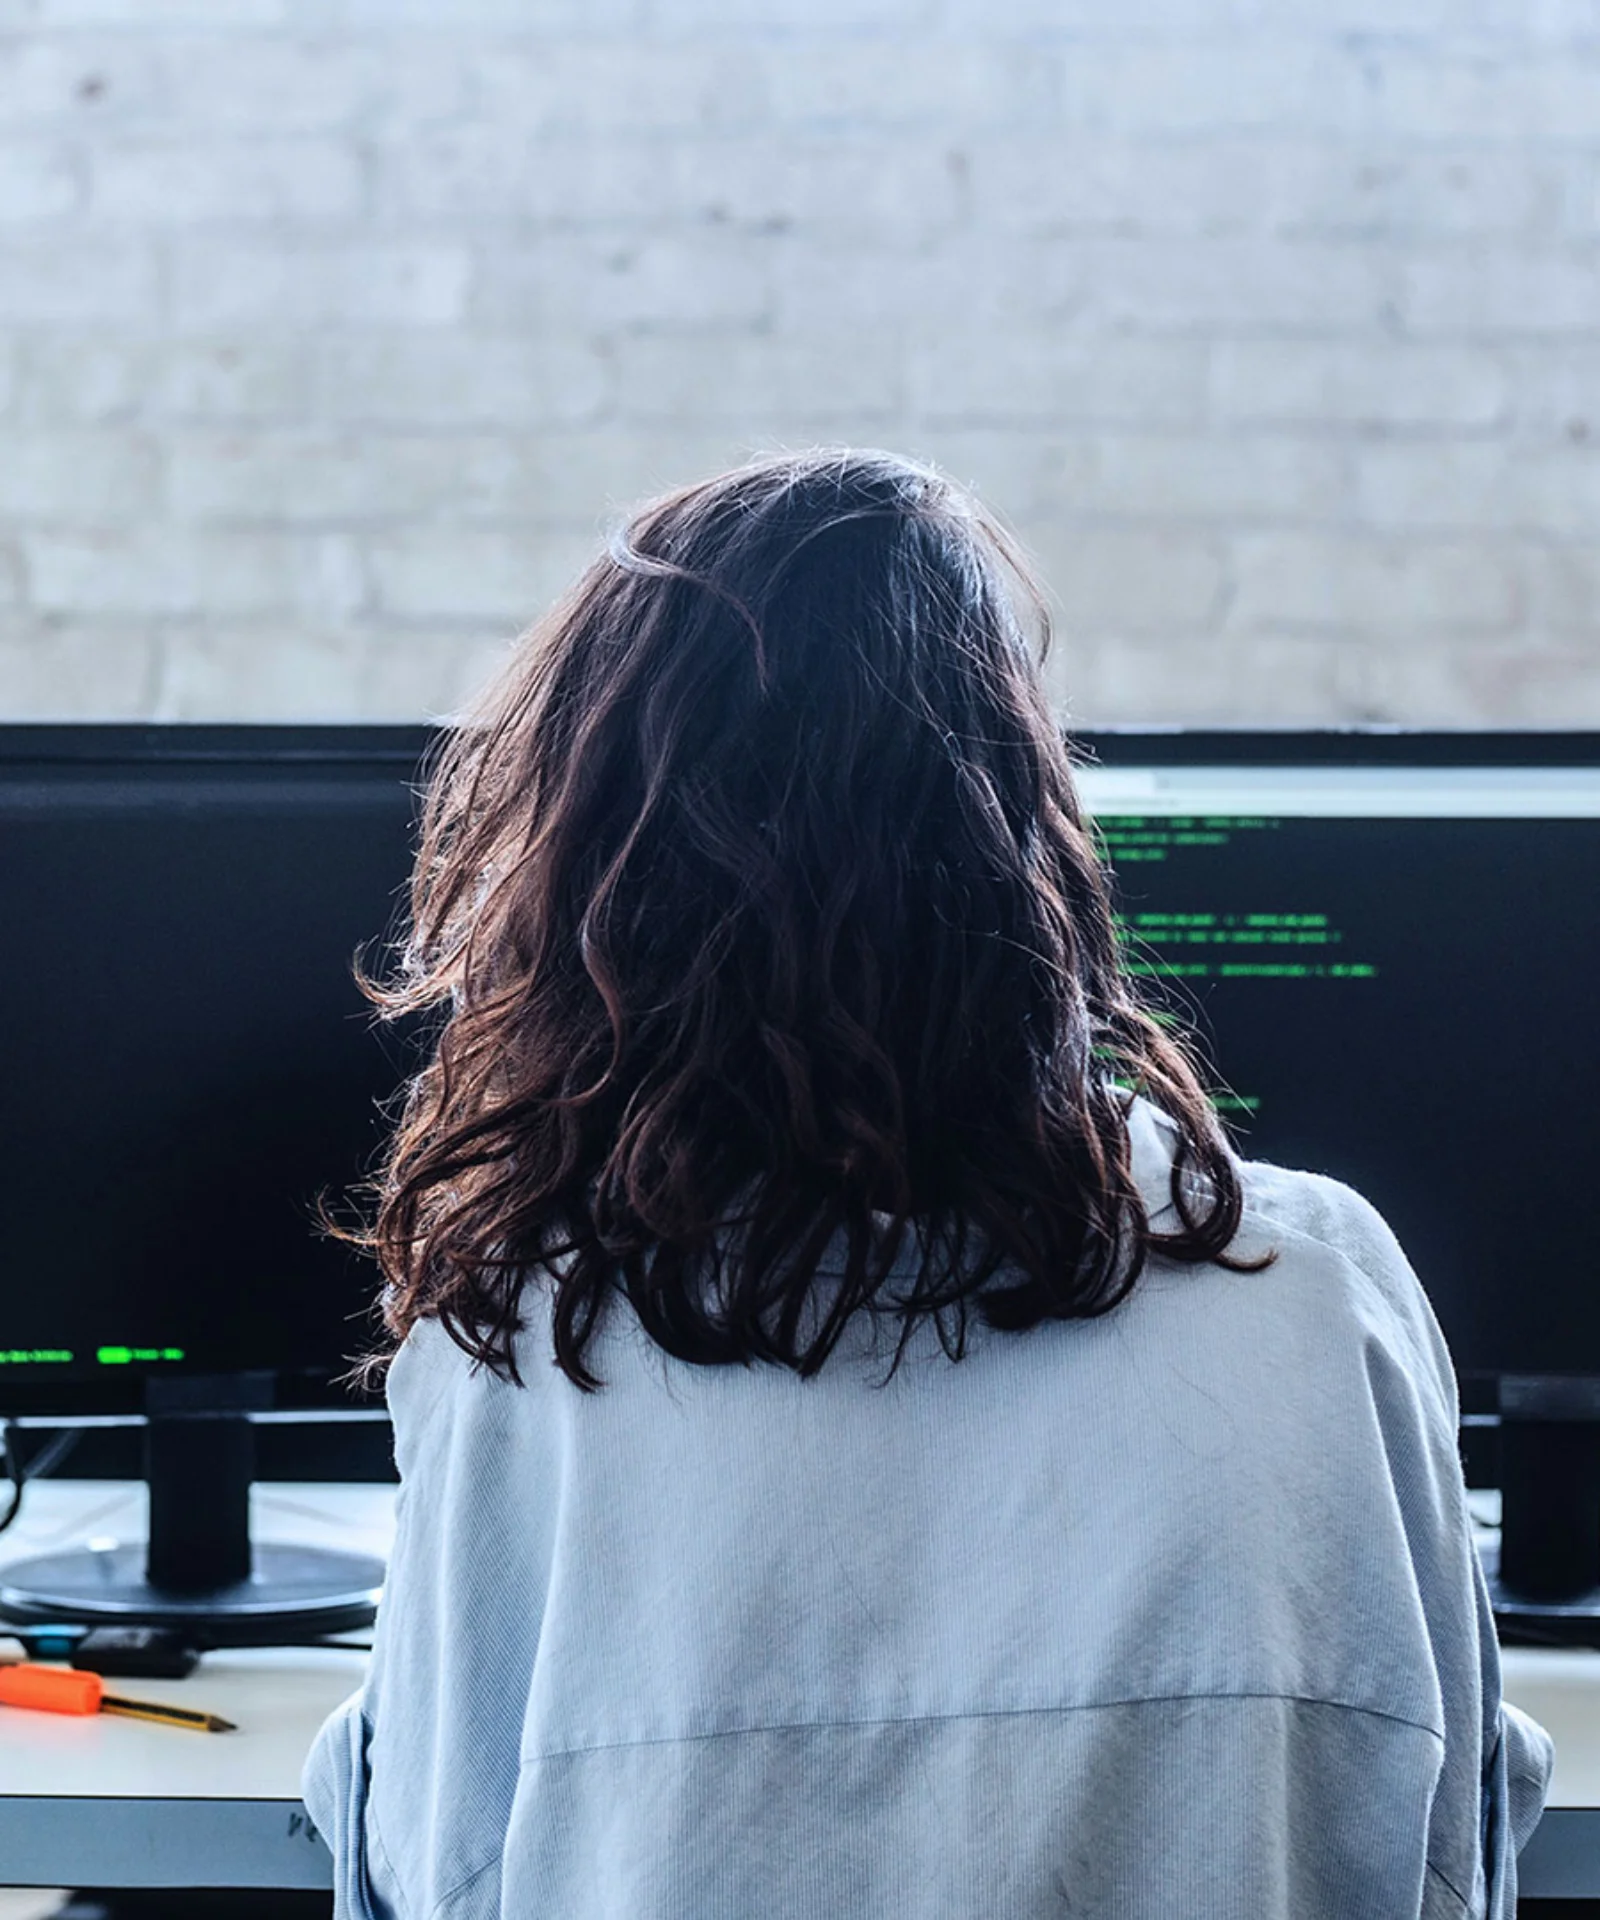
pixel 766 937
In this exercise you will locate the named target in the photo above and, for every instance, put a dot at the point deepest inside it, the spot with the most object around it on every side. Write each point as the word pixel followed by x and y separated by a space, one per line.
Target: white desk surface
pixel 1562 1692
pixel 142 1787
pixel 109 1801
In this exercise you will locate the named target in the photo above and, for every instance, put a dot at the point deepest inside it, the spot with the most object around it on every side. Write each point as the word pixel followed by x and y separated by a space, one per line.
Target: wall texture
pixel 330 330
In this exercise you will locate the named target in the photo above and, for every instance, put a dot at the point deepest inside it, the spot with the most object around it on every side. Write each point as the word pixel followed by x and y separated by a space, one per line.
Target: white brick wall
pixel 331 330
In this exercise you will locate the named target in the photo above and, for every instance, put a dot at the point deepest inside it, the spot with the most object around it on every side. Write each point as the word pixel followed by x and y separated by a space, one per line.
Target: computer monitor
pixel 189 1067
pixel 1384 939
pixel 1387 942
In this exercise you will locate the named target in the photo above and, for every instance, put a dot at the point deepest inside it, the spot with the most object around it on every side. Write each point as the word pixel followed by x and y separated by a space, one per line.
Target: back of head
pixel 765 927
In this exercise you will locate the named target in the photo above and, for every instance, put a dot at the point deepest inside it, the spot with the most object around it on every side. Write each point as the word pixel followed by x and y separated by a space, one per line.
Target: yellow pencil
pixel 170 1716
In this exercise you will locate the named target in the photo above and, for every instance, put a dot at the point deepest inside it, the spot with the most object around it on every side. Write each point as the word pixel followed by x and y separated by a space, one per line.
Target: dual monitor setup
pixel 1384 939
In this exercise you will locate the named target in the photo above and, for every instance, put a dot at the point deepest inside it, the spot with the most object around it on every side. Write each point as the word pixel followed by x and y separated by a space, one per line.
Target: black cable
pixel 334 1645
pixel 46 1460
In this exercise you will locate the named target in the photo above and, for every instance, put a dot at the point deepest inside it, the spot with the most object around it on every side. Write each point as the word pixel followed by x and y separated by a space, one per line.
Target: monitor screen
pixel 189 1063
pixel 1383 941
pixel 1387 951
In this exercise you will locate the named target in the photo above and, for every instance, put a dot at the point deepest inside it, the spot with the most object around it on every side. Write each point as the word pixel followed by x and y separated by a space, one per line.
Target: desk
pixel 123 1803
pixel 114 1802
pixel 1562 1692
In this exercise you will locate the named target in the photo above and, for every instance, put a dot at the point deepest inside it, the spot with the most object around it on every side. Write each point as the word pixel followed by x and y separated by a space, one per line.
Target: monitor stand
pixel 200 1573
pixel 1544 1576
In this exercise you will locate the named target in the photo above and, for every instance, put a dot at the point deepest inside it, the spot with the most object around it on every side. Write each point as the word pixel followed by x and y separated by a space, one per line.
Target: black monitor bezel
pixel 290 744
pixel 406 747
pixel 1353 746
pixel 1375 746
pixel 111 748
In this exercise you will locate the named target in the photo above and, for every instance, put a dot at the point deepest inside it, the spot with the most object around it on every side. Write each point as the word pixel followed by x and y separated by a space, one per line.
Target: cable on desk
pixel 46 1460
pixel 334 1645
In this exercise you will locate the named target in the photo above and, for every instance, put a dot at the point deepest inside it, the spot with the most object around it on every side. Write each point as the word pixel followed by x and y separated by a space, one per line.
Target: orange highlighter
pixel 66 1690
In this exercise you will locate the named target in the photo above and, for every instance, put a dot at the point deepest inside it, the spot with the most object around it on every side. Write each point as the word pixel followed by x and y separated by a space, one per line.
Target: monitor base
pixel 293 1593
pixel 1573 1622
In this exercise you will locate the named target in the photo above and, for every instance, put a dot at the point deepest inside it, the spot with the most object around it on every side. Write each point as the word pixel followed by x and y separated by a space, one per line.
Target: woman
pixel 867 1446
